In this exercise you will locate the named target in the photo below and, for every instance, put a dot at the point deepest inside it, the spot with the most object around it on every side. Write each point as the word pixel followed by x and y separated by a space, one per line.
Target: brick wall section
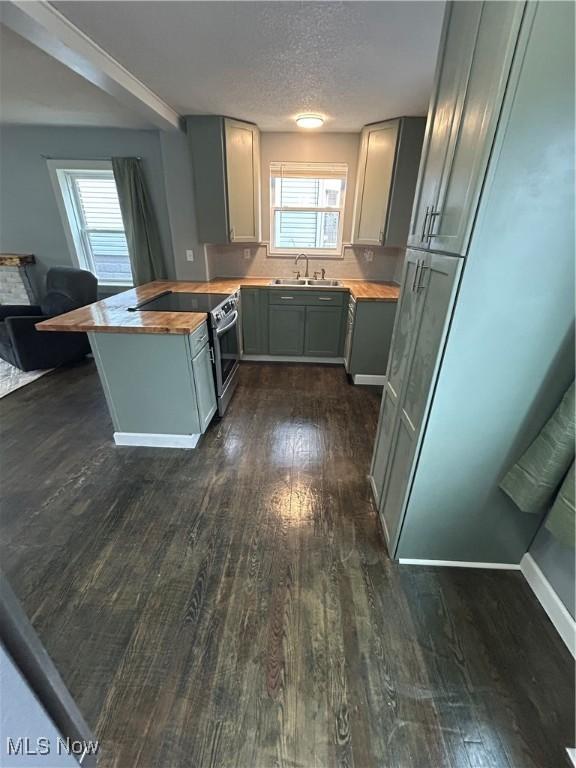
pixel 13 286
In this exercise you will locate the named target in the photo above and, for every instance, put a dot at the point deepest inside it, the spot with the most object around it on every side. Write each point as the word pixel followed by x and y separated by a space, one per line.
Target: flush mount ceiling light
pixel 309 121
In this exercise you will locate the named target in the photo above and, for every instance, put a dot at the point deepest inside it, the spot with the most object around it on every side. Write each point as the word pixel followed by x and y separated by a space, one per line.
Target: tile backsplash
pixel 230 261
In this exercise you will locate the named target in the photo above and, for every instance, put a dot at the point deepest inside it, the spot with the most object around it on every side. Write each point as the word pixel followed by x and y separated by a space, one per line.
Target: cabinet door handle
pixel 420 283
pixel 286 297
pixel 325 298
pixel 423 235
pixel 433 215
pixel 415 278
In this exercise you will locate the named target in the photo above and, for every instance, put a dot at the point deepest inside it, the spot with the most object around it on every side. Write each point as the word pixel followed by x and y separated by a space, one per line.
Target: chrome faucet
pixel 303 256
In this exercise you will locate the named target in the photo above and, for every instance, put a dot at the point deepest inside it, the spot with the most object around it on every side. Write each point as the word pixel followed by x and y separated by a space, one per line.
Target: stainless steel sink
pixel 325 283
pixel 306 283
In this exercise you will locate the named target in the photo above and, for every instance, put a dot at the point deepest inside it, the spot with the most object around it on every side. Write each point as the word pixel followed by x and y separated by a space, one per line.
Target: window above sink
pixel 307 208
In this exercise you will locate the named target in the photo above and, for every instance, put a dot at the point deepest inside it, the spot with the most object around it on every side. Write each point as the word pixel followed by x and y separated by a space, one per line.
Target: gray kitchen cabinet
pixel 428 293
pixel 476 52
pixel 323 336
pixel 226 168
pixel 159 386
pixel 305 322
pixel 400 348
pixel 349 331
pixel 386 179
pixel 204 385
pixel 286 326
pixel 306 297
pixel 508 358
pixel 370 326
pixel 254 310
pixel 477 371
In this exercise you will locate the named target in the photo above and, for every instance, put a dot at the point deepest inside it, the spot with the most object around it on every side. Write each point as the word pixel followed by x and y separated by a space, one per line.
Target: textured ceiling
pixel 355 62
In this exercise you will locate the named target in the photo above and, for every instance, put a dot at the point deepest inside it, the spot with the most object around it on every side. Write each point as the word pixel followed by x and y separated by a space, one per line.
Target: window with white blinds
pixel 307 207
pixel 93 214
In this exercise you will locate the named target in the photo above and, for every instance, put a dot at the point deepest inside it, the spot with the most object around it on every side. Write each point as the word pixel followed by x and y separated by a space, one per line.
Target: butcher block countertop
pixel 111 315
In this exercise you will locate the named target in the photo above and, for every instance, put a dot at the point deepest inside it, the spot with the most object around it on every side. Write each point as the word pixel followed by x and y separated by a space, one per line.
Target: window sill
pixel 310 254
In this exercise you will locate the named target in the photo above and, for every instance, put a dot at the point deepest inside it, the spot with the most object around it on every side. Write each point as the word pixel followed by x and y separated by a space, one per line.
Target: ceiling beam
pixel 41 24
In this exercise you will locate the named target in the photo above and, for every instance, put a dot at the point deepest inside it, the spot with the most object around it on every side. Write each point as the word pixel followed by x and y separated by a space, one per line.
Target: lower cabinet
pixel 159 386
pixel 305 323
pixel 286 329
pixel 370 334
pixel 204 384
pixel 254 307
pixel 323 337
pixel 426 301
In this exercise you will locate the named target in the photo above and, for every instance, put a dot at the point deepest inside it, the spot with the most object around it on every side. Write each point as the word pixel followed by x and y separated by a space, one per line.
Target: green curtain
pixel 140 224
pixel 533 482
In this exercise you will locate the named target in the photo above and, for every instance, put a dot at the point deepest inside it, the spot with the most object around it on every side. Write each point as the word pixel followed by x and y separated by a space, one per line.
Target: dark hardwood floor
pixel 235 605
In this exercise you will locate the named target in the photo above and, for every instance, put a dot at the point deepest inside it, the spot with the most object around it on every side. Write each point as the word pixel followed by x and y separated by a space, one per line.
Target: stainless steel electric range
pixel 222 310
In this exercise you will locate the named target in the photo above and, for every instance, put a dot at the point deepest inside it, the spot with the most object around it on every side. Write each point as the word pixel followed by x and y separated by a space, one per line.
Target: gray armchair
pixel 26 348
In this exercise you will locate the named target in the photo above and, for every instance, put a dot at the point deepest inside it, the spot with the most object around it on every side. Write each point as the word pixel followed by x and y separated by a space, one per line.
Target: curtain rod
pixel 88 159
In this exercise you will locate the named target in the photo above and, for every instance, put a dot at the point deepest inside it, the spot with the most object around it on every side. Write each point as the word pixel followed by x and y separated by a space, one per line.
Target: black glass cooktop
pixel 178 301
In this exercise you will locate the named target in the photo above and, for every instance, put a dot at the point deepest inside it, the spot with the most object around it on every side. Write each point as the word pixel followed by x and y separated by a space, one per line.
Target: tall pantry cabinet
pixel 486 304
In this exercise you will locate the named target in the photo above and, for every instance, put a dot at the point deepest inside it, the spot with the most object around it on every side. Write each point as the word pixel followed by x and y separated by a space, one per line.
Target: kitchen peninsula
pixel 157 368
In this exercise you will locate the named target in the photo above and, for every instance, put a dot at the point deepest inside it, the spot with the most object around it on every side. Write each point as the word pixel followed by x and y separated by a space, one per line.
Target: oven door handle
pixel 220 331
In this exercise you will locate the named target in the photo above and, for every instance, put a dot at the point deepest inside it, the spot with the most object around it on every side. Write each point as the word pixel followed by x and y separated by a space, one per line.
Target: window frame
pixel 69 206
pixel 339 170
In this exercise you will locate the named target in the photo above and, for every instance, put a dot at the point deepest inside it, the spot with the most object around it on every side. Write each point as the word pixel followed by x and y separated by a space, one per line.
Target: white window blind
pixel 307 207
pixel 95 220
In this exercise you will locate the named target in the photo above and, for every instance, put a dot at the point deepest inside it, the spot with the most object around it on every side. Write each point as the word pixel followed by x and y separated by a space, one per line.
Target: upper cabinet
pixel 226 168
pixel 387 173
pixel 477 47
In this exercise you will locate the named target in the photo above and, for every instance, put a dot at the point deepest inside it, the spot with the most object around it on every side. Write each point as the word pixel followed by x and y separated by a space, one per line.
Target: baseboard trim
pixel 374 490
pixel 150 440
pixel 367 378
pixel 461 564
pixel 557 612
pixel 292 359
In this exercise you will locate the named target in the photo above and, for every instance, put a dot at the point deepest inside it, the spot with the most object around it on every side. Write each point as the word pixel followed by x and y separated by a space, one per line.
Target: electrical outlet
pixel 189 255
pixel 369 254
pixel 247 253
